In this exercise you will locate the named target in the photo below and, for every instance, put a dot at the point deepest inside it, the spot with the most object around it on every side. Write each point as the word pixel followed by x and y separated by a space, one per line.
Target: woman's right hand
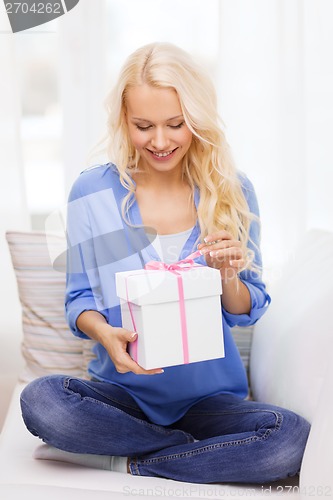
pixel 115 341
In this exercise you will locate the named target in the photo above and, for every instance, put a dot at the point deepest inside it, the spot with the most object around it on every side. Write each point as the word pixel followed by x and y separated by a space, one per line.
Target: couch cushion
pixel 293 343
pixel 317 466
pixel 48 345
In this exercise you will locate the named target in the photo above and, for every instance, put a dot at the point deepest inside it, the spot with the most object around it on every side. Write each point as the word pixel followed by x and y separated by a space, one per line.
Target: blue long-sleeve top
pixel 101 243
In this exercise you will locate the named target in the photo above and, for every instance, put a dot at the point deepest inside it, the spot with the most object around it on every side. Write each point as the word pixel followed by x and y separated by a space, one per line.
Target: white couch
pixel 290 365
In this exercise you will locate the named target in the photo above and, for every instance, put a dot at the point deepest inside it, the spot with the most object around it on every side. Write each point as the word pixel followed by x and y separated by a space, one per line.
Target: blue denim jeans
pixel 220 439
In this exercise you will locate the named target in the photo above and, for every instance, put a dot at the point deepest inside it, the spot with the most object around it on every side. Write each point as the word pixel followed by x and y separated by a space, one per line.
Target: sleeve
pixel 79 296
pixel 260 299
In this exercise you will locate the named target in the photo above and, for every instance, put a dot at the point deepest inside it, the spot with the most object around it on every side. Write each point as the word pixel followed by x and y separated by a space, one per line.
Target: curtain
pixel 13 210
pixel 276 97
pixel 83 83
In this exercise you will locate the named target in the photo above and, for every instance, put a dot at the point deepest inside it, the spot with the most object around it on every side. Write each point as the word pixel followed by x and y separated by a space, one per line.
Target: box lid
pixel 153 287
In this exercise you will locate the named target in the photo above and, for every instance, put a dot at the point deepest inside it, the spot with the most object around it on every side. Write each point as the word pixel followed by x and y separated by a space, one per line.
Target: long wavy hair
pixel 208 164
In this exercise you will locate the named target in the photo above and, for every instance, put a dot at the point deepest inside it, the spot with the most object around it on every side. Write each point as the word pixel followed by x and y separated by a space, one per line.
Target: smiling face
pixel 157 128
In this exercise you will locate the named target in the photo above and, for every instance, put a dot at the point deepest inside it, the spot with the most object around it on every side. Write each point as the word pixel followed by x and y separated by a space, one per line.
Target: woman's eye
pixel 177 126
pixel 143 128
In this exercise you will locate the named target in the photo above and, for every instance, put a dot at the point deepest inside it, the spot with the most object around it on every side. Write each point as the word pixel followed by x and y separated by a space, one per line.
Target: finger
pixel 131 336
pixel 221 245
pixel 231 253
pixel 138 370
pixel 237 264
pixel 126 363
pixel 216 245
pixel 218 235
pixel 126 335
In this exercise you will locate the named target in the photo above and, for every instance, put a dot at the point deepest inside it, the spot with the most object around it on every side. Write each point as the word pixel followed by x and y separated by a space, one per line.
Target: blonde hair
pixel 208 163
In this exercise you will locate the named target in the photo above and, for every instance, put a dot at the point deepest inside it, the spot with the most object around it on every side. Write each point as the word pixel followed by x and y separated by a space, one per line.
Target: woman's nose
pixel 159 140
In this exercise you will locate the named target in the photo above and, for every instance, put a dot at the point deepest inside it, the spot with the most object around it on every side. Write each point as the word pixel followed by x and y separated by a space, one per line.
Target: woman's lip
pixel 162 158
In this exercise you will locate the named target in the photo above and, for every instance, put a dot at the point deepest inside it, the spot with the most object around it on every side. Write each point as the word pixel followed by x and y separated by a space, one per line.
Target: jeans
pixel 220 439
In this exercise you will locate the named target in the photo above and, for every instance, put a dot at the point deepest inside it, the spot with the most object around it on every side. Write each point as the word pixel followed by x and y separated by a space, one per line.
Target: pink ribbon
pixel 182 265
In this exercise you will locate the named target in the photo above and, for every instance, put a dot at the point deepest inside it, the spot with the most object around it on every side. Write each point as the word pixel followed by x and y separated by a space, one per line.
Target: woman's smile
pixel 162 156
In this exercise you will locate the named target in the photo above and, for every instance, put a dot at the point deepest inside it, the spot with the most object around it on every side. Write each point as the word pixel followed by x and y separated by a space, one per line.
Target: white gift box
pixel 177 315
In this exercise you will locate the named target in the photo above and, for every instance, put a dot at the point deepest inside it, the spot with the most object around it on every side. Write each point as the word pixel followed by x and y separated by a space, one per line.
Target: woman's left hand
pixel 223 252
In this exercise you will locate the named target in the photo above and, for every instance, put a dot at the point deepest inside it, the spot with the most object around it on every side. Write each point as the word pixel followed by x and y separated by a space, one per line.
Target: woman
pixel 172 172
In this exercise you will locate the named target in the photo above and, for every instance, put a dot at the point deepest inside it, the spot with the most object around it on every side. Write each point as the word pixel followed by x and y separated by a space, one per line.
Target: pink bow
pixel 181 265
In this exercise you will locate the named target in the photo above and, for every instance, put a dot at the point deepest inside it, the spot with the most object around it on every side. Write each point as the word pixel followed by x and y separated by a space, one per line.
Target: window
pixel 41 125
